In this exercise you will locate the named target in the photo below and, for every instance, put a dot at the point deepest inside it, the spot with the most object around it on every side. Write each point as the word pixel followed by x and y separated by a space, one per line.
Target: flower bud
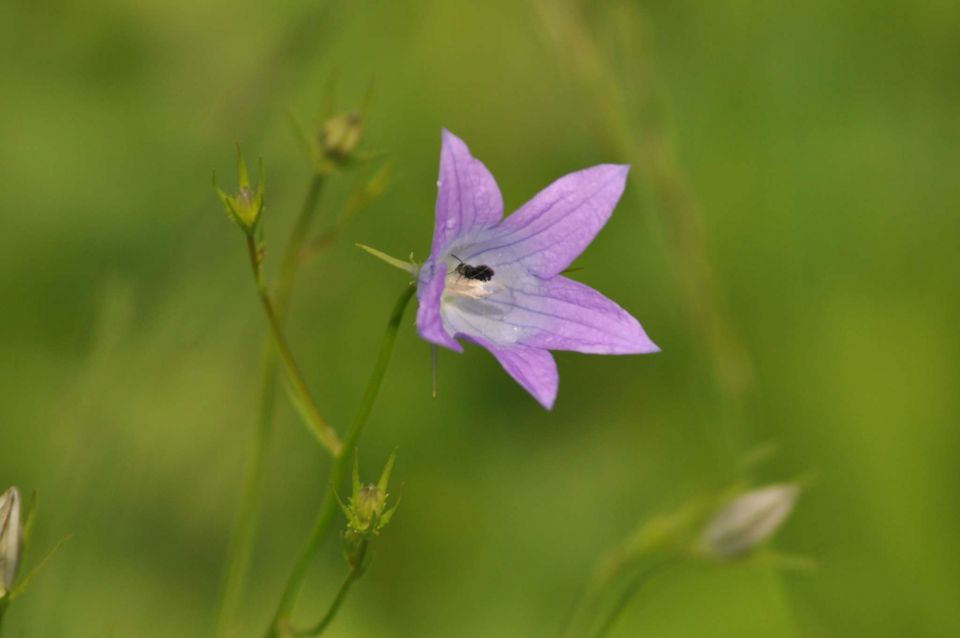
pixel 748 520
pixel 369 506
pixel 366 510
pixel 245 207
pixel 11 539
pixel 340 136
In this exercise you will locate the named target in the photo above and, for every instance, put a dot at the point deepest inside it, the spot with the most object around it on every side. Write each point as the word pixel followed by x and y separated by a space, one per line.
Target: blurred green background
pixel 789 238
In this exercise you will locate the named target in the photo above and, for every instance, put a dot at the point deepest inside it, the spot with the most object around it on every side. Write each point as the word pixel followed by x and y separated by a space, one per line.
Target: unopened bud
pixel 11 539
pixel 245 207
pixel 341 135
pixel 748 520
pixel 366 509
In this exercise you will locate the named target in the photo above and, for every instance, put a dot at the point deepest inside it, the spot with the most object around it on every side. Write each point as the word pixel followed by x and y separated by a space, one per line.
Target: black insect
pixel 480 273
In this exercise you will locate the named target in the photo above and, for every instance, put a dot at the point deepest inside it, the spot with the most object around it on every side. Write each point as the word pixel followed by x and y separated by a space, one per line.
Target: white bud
pixel 748 520
pixel 11 538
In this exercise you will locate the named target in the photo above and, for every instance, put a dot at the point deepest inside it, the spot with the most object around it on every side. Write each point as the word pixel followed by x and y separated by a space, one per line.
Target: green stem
pixel 603 575
pixel 338 469
pixel 355 572
pixel 627 595
pixel 295 247
pixel 241 545
pixel 325 434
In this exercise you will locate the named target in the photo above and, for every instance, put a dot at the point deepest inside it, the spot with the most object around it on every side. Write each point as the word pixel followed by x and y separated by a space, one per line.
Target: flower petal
pixel 579 318
pixel 532 368
pixel 551 230
pixel 429 292
pixel 556 314
pixel 468 198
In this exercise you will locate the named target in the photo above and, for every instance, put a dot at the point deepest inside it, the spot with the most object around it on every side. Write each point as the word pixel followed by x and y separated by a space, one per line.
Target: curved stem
pixel 593 615
pixel 338 469
pixel 602 577
pixel 241 545
pixel 298 386
pixel 627 595
pixel 354 575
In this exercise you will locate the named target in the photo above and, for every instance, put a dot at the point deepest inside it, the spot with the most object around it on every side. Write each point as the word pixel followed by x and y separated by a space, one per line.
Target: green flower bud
pixel 11 539
pixel 245 207
pixel 366 509
pixel 340 136
pixel 748 520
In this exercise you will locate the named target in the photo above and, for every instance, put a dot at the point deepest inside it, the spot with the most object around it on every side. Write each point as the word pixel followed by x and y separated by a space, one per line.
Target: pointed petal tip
pixel 547 402
pixel 447 136
pixel 645 346
pixel 642 344
pixel 533 368
pixel 444 341
pixel 622 171
pixel 433 332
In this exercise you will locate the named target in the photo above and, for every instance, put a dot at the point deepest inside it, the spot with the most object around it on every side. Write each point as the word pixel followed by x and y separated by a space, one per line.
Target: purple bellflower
pixel 496 281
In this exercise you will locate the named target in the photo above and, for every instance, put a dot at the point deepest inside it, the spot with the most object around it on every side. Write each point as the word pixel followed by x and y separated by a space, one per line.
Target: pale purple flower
pixel 526 308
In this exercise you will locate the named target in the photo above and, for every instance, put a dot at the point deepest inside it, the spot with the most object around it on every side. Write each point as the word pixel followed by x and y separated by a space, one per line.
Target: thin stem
pixel 602 583
pixel 241 545
pixel 301 393
pixel 627 595
pixel 603 575
pixel 355 573
pixel 295 247
pixel 338 469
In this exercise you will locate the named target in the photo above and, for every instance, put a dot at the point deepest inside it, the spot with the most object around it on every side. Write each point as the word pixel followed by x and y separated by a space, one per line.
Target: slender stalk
pixel 295 247
pixel 627 595
pixel 338 470
pixel 241 545
pixel 355 573
pixel 298 386
pixel 583 621
pixel 659 541
pixel 602 577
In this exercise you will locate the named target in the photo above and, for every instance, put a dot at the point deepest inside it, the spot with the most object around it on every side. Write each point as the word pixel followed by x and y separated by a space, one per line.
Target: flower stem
pixel 594 619
pixel 338 470
pixel 356 571
pixel 603 575
pixel 295 247
pixel 325 434
pixel 628 593
pixel 660 541
pixel 241 545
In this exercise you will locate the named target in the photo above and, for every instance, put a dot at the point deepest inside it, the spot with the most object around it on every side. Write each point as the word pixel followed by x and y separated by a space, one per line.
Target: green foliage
pixel 817 143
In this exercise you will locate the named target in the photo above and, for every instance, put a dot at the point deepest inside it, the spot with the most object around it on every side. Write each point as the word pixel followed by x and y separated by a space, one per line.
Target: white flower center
pixel 459 286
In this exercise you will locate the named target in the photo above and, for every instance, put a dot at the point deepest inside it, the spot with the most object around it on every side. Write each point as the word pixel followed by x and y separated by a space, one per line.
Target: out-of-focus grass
pixel 821 143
